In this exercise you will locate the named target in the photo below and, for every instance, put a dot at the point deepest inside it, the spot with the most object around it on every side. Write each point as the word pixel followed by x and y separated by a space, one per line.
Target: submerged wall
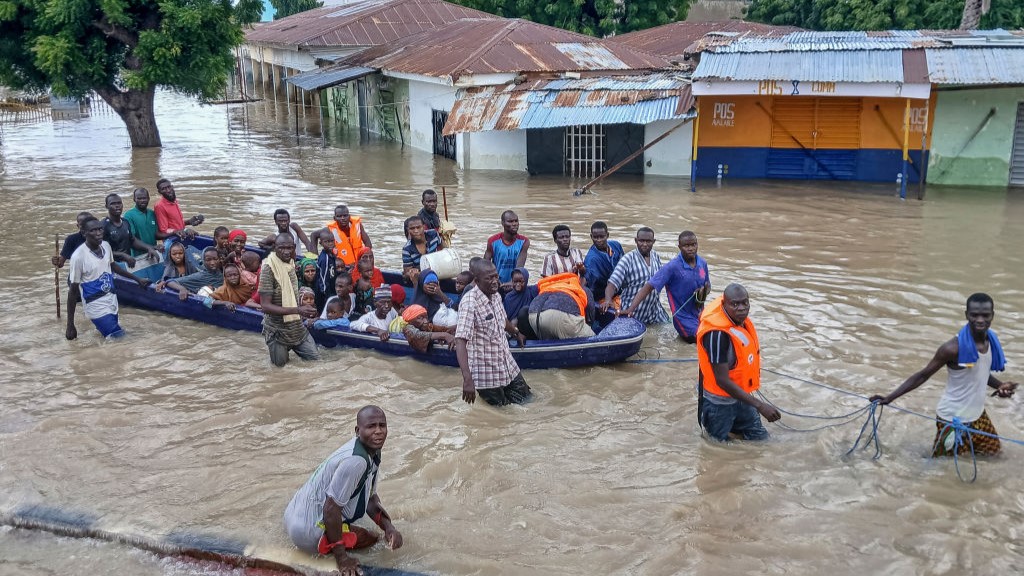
pixel 671 156
pixel 494 150
pixel 984 160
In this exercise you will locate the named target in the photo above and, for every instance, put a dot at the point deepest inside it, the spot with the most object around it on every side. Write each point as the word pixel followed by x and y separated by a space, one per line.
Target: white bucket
pixel 445 263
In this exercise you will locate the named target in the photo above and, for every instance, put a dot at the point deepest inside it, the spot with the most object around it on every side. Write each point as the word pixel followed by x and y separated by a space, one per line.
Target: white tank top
pixel 964 397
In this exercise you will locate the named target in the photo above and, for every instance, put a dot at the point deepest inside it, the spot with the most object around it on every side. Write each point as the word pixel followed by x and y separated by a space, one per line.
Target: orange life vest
pixel 346 246
pixel 747 372
pixel 567 283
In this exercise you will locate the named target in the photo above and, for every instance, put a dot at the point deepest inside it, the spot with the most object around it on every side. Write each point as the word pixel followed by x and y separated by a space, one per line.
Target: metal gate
pixel 814 138
pixel 1017 156
pixel 443 145
pixel 584 150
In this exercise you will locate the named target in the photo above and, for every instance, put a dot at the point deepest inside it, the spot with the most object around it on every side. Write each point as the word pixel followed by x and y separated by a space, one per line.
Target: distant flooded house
pixel 278 51
pixel 860 106
pixel 516 95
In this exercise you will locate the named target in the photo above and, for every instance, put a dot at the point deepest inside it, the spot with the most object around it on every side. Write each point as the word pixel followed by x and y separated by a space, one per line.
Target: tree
pixel 881 14
pixel 593 17
pixel 284 8
pixel 123 50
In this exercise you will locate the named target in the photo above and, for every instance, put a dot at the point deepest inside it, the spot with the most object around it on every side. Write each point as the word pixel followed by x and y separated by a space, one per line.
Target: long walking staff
pixel 444 199
pixel 56 272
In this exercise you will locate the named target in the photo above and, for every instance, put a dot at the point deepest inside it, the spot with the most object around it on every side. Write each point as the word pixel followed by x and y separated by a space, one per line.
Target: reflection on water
pixel 185 426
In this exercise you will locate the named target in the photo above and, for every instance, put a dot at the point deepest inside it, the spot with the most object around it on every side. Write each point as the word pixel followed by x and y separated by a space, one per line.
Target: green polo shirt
pixel 143 226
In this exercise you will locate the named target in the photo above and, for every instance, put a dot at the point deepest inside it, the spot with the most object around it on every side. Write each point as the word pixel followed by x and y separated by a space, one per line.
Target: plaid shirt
pixel 482 325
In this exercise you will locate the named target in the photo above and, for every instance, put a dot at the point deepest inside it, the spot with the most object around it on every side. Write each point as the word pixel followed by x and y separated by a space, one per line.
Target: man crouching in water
pixel 340 491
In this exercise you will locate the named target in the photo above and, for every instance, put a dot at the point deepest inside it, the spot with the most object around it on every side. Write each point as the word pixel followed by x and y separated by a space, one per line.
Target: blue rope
pixel 959 431
pixel 874 418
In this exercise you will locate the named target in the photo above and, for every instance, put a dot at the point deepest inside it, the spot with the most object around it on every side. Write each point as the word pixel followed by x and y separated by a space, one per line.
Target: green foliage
pixel 593 17
pixel 284 8
pixel 75 46
pixel 881 14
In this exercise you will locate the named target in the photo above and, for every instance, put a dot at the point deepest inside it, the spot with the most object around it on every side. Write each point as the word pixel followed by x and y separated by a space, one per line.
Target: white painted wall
pixel 424 98
pixel 494 150
pixel 281 57
pixel 671 156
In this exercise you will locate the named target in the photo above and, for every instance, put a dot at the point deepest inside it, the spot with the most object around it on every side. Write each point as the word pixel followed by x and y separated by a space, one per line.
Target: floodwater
pixel 186 427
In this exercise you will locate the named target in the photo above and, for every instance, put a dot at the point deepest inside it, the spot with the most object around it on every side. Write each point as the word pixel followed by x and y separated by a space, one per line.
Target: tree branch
pixel 119 33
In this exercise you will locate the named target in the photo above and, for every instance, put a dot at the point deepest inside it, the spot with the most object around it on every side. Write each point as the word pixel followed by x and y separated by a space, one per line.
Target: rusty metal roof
pixel 835 41
pixel 677 39
pixel 571 102
pixel 488 46
pixel 368 23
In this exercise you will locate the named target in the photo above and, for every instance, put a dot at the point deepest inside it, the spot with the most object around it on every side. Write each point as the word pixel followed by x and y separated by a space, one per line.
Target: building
pixel 515 95
pixel 862 106
pixel 681 42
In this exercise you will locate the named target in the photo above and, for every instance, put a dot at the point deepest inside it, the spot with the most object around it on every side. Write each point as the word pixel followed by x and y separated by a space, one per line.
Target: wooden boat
pixel 620 338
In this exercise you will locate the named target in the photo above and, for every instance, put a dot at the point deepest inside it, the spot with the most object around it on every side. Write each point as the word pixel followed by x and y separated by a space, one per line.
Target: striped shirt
pixel 482 326
pixel 411 255
pixel 629 276
pixel 555 263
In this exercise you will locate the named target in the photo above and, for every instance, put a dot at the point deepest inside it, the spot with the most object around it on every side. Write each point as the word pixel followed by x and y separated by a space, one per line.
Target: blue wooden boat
pixel 617 341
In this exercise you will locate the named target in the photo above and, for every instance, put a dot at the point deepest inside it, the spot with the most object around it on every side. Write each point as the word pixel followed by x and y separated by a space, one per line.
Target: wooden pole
pixel 444 198
pixel 56 272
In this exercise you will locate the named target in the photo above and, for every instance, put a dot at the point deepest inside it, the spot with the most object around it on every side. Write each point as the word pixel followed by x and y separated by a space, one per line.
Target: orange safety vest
pixel 568 283
pixel 747 372
pixel 347 247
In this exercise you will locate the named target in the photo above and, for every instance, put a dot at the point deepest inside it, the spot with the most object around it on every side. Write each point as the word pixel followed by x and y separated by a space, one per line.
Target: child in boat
pixel 232 293
pixel 306 297
pixel 364 298
pixel 461 281
pixel 335 317
pixel 177 265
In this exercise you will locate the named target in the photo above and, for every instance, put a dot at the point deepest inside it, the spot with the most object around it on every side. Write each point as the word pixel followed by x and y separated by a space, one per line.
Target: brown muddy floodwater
pixel 183 426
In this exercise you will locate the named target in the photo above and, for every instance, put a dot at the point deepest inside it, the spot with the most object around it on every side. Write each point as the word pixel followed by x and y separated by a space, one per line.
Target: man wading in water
pixel 970 358
pixel 282 314
pixel 342 489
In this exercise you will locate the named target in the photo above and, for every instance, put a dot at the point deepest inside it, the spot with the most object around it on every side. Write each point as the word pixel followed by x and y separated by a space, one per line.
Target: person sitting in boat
pixel 349 235
pixel 366 268
pixel 169 219
pixel 421 242
pixel 237 239
pixel 343 294
pixel 307 298
pixel 177 264
pixel 250 272
pixel 398 303
pixel 222 242
pixel 519 297
pixel 283 221
pixel 335 316
pixel 307 273
pixel 563 308
pixel 434 300
pixel 378 321
pixel 232 293
pixel 209 275
pixel 326 269
pixel 363 293
pixel 420 333
pixel 464 279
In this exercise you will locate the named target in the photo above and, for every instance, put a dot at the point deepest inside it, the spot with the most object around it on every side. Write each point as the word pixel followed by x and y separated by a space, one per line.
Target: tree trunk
pixel 973 11
pixel 135 107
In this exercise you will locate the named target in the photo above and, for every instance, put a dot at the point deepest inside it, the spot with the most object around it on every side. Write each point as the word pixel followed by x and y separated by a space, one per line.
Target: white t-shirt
pixel 966 390
pixel 96 282
pixel 370 319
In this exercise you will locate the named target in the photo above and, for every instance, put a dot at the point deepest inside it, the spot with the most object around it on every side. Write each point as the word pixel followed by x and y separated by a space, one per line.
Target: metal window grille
pixel 443 145
pixel 584 150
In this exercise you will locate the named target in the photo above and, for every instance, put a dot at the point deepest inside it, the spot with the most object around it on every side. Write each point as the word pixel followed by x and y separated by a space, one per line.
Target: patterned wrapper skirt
pixel 982 444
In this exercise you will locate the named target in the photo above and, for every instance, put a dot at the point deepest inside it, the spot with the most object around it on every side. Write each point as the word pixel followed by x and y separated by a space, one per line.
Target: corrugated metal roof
pixel 811 41
pixel 976 66
pixel 678 38
pixel 369 23
pixel 317 79
pixel 541 106
pixel 841 66
pixel 503 46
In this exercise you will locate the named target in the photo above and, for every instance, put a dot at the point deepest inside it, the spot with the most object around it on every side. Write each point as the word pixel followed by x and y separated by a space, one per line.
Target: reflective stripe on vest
pixel 567 283
pixel 747 372
pixel 347 247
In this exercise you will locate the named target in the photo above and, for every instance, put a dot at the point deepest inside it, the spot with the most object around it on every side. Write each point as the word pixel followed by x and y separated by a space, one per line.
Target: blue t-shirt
pixel 600 266
pixel 680 281
pixel 505 255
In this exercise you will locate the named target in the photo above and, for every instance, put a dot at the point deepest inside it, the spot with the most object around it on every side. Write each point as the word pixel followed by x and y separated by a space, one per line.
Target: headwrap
pixel 362 251
pixel 515 301
pixel 382 293
pixel 421 297
pixel 306 262
pixel 302 268
pixel 306 290
pixel 235 234
pixel 430 276
pixel 413 312
pixel 397 294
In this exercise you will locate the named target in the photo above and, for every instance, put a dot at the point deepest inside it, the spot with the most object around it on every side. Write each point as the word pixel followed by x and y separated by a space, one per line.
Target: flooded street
pixel 183 426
